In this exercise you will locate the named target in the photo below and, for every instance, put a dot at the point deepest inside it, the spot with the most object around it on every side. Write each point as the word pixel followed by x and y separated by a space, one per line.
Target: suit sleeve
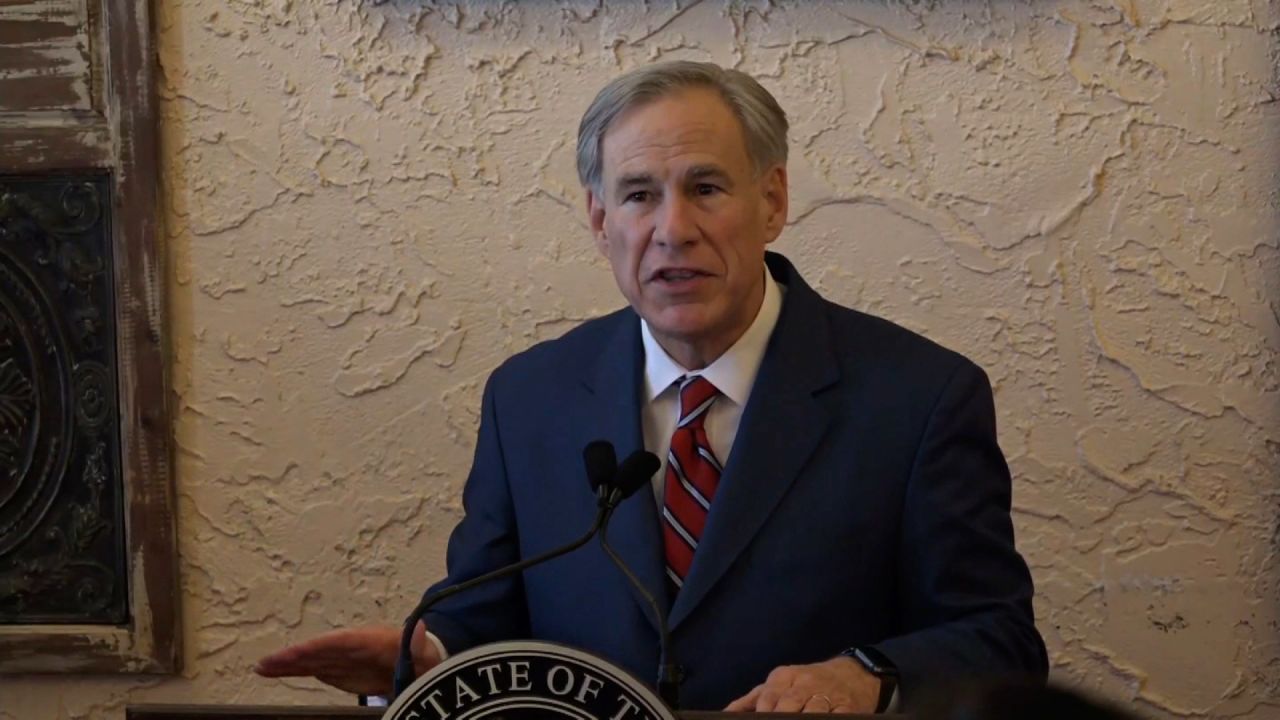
pixel 484 540
pixel 966 592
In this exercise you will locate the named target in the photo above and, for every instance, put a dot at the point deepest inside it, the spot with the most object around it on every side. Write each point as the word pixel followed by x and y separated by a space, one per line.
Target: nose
pixel 675 224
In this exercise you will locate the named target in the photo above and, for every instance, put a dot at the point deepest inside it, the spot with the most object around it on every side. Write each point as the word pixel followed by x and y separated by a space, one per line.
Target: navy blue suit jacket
pixel 865 501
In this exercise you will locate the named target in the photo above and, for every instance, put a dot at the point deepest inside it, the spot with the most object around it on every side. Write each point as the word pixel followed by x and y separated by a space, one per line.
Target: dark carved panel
pixel 62 557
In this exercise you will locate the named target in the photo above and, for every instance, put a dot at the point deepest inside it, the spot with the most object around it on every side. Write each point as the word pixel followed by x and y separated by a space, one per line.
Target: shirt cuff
pixel 383 701
pixel 893 702
pixel 444 654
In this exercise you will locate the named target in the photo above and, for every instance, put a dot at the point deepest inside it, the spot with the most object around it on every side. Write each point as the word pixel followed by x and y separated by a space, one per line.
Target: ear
pixel 773 185
pixel 595 217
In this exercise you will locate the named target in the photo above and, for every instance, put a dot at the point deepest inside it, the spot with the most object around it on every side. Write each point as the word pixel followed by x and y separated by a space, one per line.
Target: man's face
pixel 684 221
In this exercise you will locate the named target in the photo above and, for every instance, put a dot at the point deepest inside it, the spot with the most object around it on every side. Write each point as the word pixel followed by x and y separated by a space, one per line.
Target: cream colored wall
pixel 370 204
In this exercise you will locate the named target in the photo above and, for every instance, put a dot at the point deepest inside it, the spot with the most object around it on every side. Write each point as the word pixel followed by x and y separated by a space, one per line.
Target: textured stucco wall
pixel 370 204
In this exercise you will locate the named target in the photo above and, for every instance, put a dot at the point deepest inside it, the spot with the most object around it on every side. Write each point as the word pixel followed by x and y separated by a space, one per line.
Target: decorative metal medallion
pixel 61 523
pixel 527 679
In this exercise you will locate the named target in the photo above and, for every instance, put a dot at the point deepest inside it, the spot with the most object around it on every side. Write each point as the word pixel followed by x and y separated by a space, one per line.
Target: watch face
pixel 875 662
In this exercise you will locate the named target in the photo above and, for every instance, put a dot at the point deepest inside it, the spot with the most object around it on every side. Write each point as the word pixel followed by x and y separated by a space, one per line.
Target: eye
pixel 637 196
pixel 706 189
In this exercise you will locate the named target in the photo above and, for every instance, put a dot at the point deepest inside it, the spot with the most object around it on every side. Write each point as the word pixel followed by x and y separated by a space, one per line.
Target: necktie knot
pixel 697 395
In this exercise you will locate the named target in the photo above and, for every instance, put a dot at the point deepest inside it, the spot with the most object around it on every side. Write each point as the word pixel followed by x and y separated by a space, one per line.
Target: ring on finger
pixel 823 698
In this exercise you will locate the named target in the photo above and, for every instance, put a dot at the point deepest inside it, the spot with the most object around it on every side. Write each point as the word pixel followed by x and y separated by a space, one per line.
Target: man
pixel 833 506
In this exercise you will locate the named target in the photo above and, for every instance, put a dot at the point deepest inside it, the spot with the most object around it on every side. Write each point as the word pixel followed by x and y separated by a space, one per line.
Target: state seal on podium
pixel 523 680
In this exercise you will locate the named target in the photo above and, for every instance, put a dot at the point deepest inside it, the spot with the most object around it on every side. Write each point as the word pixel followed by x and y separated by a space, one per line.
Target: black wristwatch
pixel 874 662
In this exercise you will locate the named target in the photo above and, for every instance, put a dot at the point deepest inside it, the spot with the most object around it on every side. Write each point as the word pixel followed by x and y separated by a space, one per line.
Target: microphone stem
pixel 668 673
pixel 404 674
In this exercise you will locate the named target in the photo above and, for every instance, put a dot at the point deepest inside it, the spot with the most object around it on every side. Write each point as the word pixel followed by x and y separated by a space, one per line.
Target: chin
pixel 684 333
pixel 684 321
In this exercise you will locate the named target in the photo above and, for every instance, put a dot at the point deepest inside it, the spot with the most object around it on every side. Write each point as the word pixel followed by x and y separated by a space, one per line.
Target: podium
pixel 259 712
pixel 517 679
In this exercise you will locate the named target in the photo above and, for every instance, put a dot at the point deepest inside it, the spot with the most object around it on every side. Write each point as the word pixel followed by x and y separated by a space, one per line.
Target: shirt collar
pixel 734 372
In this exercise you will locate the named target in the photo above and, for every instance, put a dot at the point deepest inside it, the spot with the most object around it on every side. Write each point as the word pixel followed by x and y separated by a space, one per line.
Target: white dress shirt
pixel 733 374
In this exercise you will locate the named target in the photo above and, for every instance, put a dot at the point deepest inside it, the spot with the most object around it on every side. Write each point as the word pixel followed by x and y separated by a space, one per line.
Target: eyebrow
pixel 694 174
pixel 702 172
pixel 631 180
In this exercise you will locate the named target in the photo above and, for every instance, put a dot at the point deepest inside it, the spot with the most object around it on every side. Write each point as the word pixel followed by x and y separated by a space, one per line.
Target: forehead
pixel 687 125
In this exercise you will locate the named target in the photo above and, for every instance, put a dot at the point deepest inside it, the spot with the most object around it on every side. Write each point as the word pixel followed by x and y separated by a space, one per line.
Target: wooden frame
pixel 119 135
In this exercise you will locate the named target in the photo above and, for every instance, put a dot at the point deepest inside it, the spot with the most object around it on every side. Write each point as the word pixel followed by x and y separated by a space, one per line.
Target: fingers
pixel 300 666
pixel 344 674
pixel 283 662
pixel 798 689
pixel 766 696
pixel 325 653
pixel 762 698
pixel 817 703
pixel 774 694
pixel 782 692
pixel 357 660
pixel 790 700
pixel 747 702
pixel 279 663
pixel 301 659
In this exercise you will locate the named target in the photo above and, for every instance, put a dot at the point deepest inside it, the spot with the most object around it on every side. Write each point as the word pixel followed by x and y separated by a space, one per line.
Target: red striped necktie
pixel 693 472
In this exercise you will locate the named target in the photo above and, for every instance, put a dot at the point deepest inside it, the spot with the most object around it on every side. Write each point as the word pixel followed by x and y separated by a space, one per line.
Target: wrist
pixel 428 650
pixel 880 667
pixel 421 650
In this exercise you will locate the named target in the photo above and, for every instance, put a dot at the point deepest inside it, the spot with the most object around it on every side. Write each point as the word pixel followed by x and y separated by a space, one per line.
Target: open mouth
pixel 675 275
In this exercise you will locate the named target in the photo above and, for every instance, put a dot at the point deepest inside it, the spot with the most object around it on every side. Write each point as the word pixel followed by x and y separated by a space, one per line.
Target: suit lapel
pixel 781 426
pixel 614 413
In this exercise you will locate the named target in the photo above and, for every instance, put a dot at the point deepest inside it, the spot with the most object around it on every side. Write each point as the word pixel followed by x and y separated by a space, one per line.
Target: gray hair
pixel 764 124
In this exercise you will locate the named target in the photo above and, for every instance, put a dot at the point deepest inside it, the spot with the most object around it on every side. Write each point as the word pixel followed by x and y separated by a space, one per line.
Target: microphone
pixel 601 462
pixel 636 472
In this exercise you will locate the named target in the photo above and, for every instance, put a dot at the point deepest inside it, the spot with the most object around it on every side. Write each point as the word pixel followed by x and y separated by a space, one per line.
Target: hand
pixel 358 660
pixel 840 684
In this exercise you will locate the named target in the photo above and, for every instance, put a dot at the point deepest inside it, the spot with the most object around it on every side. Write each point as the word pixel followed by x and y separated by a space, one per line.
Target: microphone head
pixel 635 472
pixel 601 462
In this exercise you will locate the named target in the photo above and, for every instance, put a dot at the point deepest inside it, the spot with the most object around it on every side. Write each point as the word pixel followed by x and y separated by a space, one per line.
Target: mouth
pixel 677 275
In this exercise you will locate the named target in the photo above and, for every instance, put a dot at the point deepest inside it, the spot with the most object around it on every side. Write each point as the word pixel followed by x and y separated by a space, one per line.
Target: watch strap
pixel 875 662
